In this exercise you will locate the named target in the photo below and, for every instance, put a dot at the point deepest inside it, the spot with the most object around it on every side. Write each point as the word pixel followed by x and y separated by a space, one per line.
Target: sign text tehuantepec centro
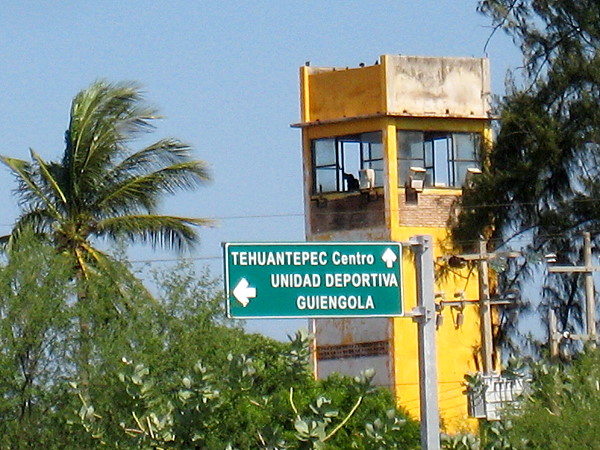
pixel 297 280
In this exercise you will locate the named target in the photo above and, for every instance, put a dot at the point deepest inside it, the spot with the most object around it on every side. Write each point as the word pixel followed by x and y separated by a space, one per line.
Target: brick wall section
pixel 354 211
pixel 431 210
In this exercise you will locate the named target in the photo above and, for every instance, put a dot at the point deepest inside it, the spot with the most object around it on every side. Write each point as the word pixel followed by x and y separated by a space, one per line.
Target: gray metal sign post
pixel 424 315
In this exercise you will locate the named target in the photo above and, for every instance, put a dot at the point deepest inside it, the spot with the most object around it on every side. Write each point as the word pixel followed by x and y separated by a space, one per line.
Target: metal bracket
pixel 420 314
pixel 410 243
pixel 575 337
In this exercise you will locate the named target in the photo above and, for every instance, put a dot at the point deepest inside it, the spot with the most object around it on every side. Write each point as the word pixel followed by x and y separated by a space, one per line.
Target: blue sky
pixel 225 76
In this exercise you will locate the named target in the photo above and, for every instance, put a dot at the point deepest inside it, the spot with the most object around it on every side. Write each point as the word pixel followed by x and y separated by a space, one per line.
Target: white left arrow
pixel 243 292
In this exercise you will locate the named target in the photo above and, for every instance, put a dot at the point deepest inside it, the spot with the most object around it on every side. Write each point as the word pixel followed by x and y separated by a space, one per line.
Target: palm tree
pixel 103 189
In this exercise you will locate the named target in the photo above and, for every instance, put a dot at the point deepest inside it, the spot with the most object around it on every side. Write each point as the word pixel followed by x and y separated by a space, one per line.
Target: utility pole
pixel 588 270
pixel 554 337
pixel 424 315
pixel 485 311
pixel 590 303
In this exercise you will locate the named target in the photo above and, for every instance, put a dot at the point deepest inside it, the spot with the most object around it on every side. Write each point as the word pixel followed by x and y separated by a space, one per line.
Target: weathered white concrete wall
pixel 348 331
pixel 438 87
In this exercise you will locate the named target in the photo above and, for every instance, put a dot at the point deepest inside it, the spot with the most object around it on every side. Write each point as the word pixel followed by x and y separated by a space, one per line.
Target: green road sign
pixel 313 279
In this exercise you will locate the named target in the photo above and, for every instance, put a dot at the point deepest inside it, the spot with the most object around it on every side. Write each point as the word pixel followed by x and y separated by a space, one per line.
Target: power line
pixel 160 260
pixel 236 217
pixel 420 208
pixel 514 240
pixel 220 257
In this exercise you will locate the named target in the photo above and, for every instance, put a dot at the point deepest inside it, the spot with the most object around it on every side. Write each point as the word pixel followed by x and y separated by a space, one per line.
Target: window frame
pixel 441 164
pixel 367 157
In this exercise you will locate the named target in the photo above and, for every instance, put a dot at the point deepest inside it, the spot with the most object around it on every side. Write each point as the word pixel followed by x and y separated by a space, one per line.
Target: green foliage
pixel 34 330
pixel 541 169
pixel 376 424
pixel 492 436
pixel 202 410
pixel 169 373
pixel 101 188
pixel 460 441
pixel 541 181
pixel 562 409
pixel 40 338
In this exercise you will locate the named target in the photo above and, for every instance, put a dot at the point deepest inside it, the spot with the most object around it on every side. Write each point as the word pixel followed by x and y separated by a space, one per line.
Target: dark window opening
pixel 446 157
pixel 345 163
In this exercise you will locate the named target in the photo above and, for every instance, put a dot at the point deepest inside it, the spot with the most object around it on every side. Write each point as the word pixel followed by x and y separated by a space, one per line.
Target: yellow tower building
pixel 386 151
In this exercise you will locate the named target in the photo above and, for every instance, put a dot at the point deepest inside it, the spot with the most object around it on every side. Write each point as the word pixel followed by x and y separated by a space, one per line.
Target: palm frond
pixel 35 223
pixel 164 152
pixel 5 242
pixel 141 193
pixel 39 221
pixel 46 174
pixel 117 273
pixel 104 118
pixel 30 190
pixel 166 231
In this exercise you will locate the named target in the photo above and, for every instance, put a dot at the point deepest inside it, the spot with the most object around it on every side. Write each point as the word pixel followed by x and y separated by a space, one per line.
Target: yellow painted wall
pixel 456 346
pixel 337 94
